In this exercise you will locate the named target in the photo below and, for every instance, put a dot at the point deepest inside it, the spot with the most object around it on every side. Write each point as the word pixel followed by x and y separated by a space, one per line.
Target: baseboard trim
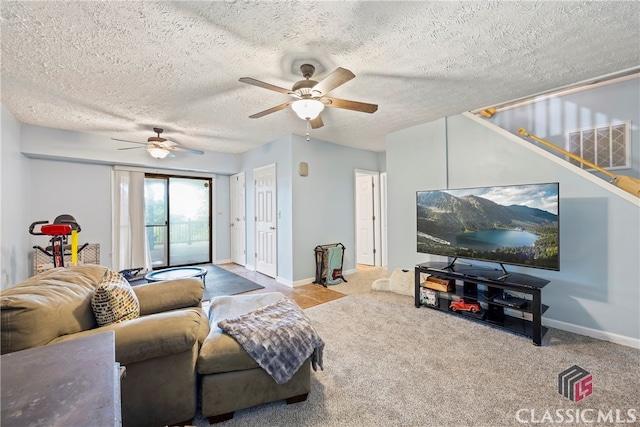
pixel 593 333
pixel 312 279
pixel 223 261
pixel 284 281
pixel 303 281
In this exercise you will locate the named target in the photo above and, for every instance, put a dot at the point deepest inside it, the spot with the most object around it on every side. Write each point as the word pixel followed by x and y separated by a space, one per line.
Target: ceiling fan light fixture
pixel 307 109
pixel 158 152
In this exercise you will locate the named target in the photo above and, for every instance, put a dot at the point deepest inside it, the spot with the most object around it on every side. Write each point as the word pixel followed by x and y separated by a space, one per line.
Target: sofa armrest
pixel 157 297
pixel 154 335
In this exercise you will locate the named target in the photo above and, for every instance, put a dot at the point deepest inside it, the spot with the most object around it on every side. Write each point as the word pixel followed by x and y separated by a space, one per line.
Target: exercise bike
pixel 62 227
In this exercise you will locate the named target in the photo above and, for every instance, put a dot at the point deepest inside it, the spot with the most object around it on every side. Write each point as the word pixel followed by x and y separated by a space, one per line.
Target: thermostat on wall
pixel 303 169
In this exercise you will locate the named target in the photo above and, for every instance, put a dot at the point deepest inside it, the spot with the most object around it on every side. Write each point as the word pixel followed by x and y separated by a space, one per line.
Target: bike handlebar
pixel 32 226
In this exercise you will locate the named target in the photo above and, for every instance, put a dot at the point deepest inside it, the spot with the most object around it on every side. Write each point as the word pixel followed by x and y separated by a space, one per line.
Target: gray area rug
pixel 387 363
pixel 220 282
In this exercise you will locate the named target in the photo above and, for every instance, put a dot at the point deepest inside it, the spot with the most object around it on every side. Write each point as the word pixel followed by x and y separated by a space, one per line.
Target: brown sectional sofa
pixel 159 349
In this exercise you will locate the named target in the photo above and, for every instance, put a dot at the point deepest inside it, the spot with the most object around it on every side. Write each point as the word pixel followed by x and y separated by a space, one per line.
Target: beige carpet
pixel 387 363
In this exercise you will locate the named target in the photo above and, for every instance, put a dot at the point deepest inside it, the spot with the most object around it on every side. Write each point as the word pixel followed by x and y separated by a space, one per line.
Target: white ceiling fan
pixel 159 147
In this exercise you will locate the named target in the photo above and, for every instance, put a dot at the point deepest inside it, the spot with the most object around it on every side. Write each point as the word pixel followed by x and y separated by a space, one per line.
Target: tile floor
pixel 305 295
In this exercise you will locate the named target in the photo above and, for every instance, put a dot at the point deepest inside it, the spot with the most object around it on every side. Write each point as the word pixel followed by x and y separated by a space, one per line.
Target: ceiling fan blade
pixel 316 123
pixel 271 110
pixel 338 77
pixel 264 85
pixel 133 142
pixel 129 148
pixel 189 150
pixel 351 105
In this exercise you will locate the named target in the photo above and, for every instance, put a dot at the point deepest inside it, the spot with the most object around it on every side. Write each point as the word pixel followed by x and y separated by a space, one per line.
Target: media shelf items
pixel 508 301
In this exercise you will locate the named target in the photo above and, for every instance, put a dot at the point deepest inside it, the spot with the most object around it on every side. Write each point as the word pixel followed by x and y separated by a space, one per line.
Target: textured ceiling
pixel 120 68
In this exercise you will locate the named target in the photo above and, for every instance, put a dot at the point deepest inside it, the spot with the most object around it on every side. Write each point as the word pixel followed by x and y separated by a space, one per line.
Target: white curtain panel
pixel 130 246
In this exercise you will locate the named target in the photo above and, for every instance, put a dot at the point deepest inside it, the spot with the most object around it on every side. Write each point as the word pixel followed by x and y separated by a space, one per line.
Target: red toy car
pixel 462 305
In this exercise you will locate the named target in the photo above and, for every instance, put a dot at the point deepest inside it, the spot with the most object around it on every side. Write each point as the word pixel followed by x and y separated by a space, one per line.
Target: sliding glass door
pixel 178 220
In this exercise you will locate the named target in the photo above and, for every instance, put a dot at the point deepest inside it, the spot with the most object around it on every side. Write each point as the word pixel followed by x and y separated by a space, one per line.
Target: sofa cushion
pixel 51 304
pixel 114 300
pixel 153 336
pixel 220 352
pixel 157 297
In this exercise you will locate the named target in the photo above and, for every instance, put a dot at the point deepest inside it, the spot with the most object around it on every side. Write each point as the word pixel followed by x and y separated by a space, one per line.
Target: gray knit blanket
pixel 279 337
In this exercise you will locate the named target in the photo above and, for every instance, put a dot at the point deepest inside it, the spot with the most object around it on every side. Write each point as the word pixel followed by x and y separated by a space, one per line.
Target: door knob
pixel 272 228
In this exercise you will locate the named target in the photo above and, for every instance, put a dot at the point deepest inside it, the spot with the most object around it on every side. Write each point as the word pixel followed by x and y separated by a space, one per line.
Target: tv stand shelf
pixel 512 302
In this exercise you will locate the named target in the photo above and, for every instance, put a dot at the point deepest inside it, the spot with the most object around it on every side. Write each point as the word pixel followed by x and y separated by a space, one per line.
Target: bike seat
pixel 56 229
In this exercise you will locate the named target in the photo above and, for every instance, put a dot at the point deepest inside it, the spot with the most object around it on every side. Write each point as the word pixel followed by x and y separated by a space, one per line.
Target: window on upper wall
pixel 606 146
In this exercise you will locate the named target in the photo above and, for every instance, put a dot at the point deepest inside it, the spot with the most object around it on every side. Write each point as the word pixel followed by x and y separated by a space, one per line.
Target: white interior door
pixel 266 232
pixel 238 220
pixel 365 218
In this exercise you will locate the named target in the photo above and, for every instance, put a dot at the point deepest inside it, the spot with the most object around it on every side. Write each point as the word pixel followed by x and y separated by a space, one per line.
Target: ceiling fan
pixel 159 147
pixel 311 96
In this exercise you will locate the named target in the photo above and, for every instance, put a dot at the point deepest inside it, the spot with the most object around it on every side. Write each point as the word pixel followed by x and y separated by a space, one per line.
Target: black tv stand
pixel 482 285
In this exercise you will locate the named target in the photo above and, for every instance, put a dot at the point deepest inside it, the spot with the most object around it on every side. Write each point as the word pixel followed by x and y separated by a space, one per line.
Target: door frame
pixel 167 176
pixel 233 214
pixel 376 213
pixel 384 260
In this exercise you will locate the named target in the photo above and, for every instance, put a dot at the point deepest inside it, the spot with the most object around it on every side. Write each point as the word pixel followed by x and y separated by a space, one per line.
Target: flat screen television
pixel 514 224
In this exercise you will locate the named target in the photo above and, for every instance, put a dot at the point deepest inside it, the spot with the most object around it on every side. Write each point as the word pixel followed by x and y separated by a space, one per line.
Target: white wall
pixel 14 203
pixel 597 290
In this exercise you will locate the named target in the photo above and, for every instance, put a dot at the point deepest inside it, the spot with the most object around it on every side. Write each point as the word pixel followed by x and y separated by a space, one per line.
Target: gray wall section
pixel 222 220
pixel 597 289
pixel 84 191
pixel 324 201
pixel 416 160
pixel 278 152
pixel 14 203
pixel 43 142
pixel 382 161
pixel 79 189
pixel 312 210
pixel 80 164
pixel 551 119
